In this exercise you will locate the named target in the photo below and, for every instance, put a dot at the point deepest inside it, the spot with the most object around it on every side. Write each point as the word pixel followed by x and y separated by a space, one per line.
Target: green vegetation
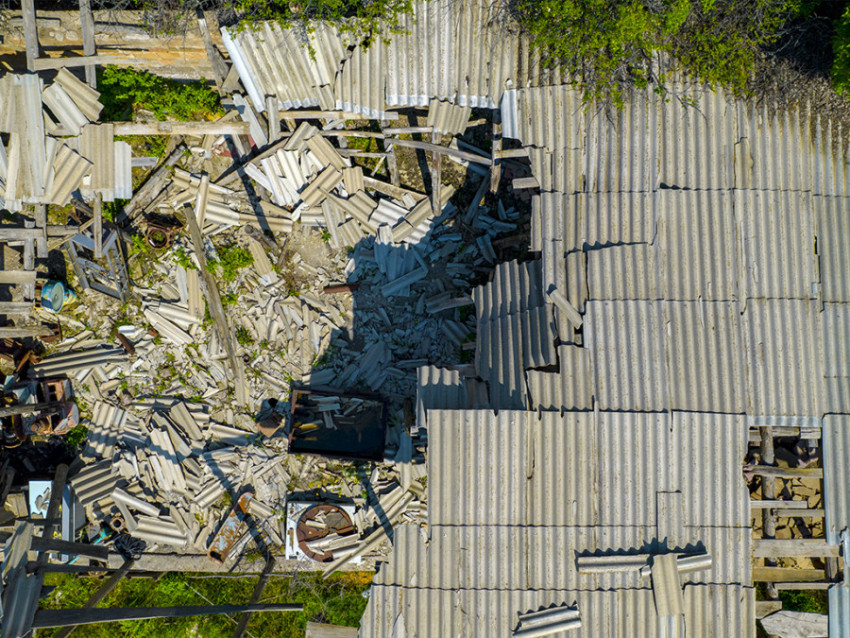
pixel 841 51
pixel 338 600
pixel 243 337
pixel 75 437
pixel 125 90
pixel 365 18
pixel 612 45
pixel 184 259
pixel 231 259
pixel 111 210
pixel 812 600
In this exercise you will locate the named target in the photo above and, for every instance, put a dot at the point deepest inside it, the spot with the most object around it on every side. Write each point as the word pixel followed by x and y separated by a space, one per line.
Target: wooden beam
pixel 13 277
pixel 98 226
pixel 786 574
pixel 425 146
pixel 89 48
pixel 97 597
pixel 512 152
pixel 22 333
pixel 322 630
pixel 153 185
pixel 182 128
pixel 219 67
pixel 798 513
pixel 496 172
pixel 273 114
pixel 231 80
pixel 217 310
pixel 785 472
pixel 48 64
pixel 65 617
pixel 40 214
pixel 794 548
pixel 796 585
pixel 98 552
pixel 16 308
pixel 436 176
pixel 56 489
pixel 245 618
pixel 759 505
pixel 332 115
pixel 30 33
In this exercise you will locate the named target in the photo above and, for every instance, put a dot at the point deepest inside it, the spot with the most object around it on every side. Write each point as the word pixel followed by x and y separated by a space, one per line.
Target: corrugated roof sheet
pixel 359 86
pixel 839 610
pixel 836 459
pixel 570 389
pixel 447 118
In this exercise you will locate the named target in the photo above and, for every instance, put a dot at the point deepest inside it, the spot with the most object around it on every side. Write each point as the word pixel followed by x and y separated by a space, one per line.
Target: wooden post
pixel 182 128
pixel 30 33
pixel 41 224
pixel 65 617
pixel 102 592
pixel 245 618
pixel 98 226
pixel 768 492
pixel 496 173
pixel 436 176
pixel 89 48
pixel 273 115
pixel 154 184
pixel 219 67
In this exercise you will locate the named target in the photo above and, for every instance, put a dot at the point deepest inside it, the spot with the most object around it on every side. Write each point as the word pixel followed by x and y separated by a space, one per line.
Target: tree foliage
pixel 611 45
pixel 841 53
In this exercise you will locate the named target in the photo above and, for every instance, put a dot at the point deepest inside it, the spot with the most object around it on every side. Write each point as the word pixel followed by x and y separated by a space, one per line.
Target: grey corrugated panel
pixel 447 118
pixel 75 360
pixel 68 171
pixel 830 169
pixel 784 353
pixel 325 181
pixel 104 430
pixel 160 530
pixel 720 611
pixel 64 108
pixel 326 153
pixel 833 233
pixel 626 340
pixel 836 346
pixel 569 389
pixel 553 117
pixel 509 111
pixel 421 60
pixel 696 241
pixel 290 63
pixel 776 149
pixel 86 98
pixel 94 482
pixel 620 148
pixel 836 459
pixel 20 601
pixel 776 231
pixel 7 104
pixel 565 272
pixel 247 114
pixel 97 146
pixel 696 144
pixel 666 588
pixel 359 87
pixel 123 171
pixel 628 271
pixel 27 141
pixel 839 610
pixel 438 388
pixel 704 350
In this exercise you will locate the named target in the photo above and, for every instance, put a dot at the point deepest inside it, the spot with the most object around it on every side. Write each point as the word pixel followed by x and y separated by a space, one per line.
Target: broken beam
pixel 181 128
pixel 786 574
pixel 435 148
pixel 785 472
pixel 794 548
pixel 332 115
pixel 47 64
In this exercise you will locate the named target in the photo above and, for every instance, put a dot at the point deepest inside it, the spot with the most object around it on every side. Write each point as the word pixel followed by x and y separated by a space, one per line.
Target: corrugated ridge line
pixel 613 218
pixel 776 230
pixel 69 168
pixel 836 343
pixel 780 150
pixel 86 98
pixel 123 171
pixel 447 118
pixel 360 85
pixel 697 242
pixel 839 610
pixel 784 349
pixel 836 459
pixel 623 272
pixel 438 388
pixel 832 219
pixel 569 389
pixel 64 108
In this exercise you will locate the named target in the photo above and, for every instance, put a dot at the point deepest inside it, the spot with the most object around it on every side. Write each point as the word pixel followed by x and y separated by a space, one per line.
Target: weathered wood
pixel 245 618
pixel 426 146
pixel 13 277
pixel 408 130
pixel 797 585
pixel 786 574
pixel 89 48
pixel 231 80
pixel 213 297
pixel 786 472
pixel 332 115
pixel 22 333
pixel 322 630
pixel 30 33
pixel 65 617
pixel 496 172
pixel 768 493
pixel 397 192
pixel 757 505
pixel 56 490
pixel 794 548
pixel 436 176
pixel 40 214
pixel 153 186
pixel 47 64
pixel 98 226
pixel 27 408
pixel 767 607
pixel 798 513
pixel 97 597
pixel 520 183
pixel 15 308
pixel 219 67
pixel 506 153
pixel 272 111
pixel 182 128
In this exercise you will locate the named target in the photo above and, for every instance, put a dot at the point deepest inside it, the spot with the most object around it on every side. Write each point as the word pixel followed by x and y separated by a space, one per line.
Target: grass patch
pixel 339 600
pixel 815 601
pixel 231 259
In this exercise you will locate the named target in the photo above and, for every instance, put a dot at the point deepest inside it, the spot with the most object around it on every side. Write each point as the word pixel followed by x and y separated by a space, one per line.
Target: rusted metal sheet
pixel 230 530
